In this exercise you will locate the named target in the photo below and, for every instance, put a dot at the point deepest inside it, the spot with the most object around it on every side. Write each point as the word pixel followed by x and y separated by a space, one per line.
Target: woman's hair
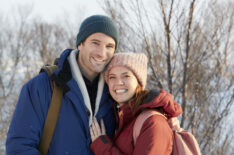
pixel 138 98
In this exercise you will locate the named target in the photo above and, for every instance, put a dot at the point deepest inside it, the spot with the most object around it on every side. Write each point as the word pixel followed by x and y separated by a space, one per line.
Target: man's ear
pixel 80 45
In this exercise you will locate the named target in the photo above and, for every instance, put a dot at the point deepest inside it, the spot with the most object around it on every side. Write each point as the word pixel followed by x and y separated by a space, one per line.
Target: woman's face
pixel 122 84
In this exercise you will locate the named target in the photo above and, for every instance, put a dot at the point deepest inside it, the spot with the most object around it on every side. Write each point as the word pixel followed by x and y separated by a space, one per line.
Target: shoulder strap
pixel 52 115
pixel 49 69
pixel 140 121
pixel 184 143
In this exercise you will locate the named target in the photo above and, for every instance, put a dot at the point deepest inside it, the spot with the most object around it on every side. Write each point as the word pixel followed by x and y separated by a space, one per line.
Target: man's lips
pixel 97 61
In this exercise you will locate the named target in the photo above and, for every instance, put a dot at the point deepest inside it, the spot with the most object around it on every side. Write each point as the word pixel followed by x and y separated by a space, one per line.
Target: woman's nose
pixel 119 81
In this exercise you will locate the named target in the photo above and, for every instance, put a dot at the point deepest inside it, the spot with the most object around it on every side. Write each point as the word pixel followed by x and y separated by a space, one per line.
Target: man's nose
pixel 102 51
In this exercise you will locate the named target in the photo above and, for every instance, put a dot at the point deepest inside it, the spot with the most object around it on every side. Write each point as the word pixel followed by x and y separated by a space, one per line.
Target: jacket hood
pixel 163 99
pixel 63 74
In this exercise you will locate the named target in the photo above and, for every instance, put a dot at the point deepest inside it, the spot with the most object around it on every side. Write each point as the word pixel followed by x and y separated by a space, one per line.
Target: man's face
pixel 95 52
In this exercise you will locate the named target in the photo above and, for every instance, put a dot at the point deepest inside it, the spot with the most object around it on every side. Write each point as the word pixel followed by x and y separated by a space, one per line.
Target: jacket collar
pixel 161 99
pixel 76 74
pixel 63 74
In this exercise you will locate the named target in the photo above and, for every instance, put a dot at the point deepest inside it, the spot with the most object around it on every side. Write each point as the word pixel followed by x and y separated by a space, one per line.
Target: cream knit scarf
pixel 76 74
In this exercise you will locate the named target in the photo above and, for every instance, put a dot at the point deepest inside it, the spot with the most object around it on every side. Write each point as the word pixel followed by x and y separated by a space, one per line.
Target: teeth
pixel 120 91
pixel 98 60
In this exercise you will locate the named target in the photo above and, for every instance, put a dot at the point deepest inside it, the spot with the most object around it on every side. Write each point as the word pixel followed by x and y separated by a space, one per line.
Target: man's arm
pixel 27 122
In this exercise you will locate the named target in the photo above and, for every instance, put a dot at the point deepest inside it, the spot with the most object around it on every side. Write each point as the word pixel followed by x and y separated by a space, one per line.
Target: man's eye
pixel 110 46
pixel 95 43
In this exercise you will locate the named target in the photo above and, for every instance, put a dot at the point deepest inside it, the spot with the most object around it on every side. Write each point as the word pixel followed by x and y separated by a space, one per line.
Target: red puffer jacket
pixel 156 136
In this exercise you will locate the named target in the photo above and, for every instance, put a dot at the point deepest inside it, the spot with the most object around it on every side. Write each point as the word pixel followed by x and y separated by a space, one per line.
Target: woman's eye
pixel 126 76
pixel 111 77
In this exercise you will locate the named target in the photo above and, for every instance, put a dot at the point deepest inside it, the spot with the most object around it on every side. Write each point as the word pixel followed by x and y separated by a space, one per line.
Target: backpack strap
pixel 140 121
pixel 53 112
pixel 49 69
pixel 184 143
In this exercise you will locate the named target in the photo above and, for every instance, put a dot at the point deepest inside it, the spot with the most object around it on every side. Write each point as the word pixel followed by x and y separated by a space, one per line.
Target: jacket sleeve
pixel 25 129
pixel 156 137
pixel 104 146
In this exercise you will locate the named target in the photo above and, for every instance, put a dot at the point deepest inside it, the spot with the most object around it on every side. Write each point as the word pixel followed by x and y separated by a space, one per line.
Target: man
pixel 85 95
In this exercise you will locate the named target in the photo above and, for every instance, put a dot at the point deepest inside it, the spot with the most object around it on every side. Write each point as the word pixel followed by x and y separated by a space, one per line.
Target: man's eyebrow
pixel 113 44
pixel 95 40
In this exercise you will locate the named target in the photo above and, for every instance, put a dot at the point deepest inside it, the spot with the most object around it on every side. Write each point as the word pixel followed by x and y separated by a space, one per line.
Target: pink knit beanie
pixel 136 62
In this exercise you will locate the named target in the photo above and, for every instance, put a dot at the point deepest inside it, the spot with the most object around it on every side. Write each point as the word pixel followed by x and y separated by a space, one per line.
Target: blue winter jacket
pixel 71 136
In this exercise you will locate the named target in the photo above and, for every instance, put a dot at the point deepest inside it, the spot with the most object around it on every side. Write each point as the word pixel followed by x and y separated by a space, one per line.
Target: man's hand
pixel 95 130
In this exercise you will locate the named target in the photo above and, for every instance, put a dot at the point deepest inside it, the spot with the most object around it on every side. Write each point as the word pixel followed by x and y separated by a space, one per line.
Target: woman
pixel 126 78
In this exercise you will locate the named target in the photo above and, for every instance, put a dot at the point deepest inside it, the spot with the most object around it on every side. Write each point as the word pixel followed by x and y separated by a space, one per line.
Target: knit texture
pixel 136 62
pixel 95 24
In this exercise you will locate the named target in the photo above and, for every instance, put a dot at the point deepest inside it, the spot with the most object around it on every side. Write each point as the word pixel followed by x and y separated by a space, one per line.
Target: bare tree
pixel 48 41
pixel 13 44
pixel 189 46
pixel 26 44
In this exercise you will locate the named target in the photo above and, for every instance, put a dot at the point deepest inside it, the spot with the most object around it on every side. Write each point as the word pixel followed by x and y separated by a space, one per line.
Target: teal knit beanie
pixel 97 23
